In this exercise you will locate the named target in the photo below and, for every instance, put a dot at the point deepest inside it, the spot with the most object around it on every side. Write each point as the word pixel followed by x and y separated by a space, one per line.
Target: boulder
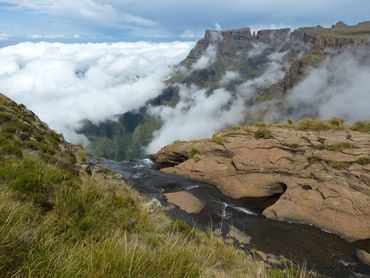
pixel 363 256
pixel 185 201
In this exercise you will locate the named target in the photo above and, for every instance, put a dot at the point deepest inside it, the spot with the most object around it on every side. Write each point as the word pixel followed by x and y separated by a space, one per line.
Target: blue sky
pixel 162 20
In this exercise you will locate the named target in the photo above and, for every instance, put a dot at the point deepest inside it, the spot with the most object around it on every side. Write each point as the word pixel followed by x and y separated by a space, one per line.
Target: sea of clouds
pixel 67 83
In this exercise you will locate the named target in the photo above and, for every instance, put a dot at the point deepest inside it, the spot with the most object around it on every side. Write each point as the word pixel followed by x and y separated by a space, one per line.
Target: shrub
pixel 182 226
pixel 364 160
pixel 4 117
pixel 337 147
pixel 321 125
pixel 363 126
pixel 336 122
pixel 33 179
pixel 192 152
pixel 312 124
pixel 218 140
pixel 263 133
pixel 11 149
pixel 340 146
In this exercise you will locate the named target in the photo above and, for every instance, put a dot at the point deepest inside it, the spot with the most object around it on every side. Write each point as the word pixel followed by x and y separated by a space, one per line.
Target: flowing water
pixel 320 251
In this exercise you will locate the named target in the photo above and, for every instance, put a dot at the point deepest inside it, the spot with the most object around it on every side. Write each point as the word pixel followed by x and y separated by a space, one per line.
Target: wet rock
pixel 363 256
pixel 241 237
pixel 267 258
pixel 323 177
pixel 185 201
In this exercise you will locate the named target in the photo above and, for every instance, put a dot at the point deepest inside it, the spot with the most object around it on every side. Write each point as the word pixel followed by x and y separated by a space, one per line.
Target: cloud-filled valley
pixel 66 83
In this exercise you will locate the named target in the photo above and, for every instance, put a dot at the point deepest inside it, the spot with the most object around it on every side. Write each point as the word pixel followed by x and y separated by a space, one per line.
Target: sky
pixel 162 20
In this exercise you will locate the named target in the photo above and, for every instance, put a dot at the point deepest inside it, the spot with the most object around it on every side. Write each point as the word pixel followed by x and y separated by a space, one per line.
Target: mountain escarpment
pixel 256 71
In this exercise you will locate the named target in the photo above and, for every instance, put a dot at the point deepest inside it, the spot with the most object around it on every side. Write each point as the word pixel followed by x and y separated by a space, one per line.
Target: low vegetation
pixel 356 32
pixel 337 147
pixel 263 133
pixel 363 126
pixel 331 124
pixel 320 125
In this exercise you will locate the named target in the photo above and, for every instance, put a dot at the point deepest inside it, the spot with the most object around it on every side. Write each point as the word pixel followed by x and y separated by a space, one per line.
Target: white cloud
pixel 339 87
pixel 197 115
pixel 66 83
pixel 207 59
pixel 4 37
pixel 210 55
pixel 200 114
pixel 228 77
pixel 95 10
pixel 257 50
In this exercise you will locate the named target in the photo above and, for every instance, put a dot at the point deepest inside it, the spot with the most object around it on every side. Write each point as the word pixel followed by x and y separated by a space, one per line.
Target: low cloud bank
pixel 199 114
pixel 339 87
pixel 66 83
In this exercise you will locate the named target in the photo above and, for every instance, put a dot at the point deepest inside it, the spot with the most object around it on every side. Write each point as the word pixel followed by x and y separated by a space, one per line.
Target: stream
pixel 322 252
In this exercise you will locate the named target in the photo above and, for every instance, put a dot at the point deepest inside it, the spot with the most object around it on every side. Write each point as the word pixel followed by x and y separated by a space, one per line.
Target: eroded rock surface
pixel 324 177
pixel 185 201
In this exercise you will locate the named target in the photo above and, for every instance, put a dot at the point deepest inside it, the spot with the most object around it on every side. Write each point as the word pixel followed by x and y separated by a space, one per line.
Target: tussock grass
pixel 321 125
pixel 263 133
pixel 101 228
pixel 363 126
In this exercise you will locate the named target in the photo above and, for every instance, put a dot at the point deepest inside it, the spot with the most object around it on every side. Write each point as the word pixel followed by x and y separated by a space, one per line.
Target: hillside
pixel 262 76
pixel 62 216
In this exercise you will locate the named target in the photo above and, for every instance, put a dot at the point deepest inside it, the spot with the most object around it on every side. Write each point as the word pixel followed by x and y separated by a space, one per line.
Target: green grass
pixel 193 152
pixel 334 123
pixel 364 160
pixel 337 147
pixel 357 32
pixel 98 227
pixel 362 126
pixel 218 140
pixel 321 125
pixel 263 133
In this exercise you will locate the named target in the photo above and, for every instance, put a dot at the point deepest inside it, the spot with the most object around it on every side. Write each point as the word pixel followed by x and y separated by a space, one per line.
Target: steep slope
pixel 253 74
pixel 61 215
pixel 320 169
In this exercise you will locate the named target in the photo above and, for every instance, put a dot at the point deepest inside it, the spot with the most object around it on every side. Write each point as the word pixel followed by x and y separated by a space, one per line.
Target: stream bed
pixel 322 252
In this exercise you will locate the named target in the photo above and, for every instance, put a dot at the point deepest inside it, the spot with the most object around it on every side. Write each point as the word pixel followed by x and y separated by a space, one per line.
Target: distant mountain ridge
pixel 258 68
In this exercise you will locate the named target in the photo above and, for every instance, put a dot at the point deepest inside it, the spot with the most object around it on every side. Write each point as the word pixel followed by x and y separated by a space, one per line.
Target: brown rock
pixel 363 256
pixel 325 188
pixel 185 201
pixel 249 185
pixel 238 235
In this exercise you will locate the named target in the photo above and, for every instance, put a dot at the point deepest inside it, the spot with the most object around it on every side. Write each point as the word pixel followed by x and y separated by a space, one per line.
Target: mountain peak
pixel 339 24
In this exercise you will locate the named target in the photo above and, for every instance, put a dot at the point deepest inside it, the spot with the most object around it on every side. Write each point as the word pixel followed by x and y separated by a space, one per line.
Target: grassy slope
pixel 360 31
pixel 57 220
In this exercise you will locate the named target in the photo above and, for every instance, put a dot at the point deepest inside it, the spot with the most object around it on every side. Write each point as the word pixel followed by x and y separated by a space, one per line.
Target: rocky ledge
pixel 323 177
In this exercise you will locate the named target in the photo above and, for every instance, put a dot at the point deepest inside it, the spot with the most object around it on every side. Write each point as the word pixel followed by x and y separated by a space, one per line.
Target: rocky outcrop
pixel 363 256
pixel 323 177
pixel 185 201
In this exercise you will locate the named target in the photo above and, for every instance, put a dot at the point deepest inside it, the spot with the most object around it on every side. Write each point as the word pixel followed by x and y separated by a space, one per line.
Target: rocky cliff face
pixel 240 48
pixel 323 177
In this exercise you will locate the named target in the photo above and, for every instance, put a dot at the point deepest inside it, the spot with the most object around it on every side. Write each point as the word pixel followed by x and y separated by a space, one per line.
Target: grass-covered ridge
pixel 360 31
pixel 58 220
